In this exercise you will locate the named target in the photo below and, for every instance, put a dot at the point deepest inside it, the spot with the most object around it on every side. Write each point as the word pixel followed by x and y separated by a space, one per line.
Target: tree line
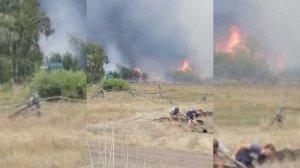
pixel 22 23
pixel 243 63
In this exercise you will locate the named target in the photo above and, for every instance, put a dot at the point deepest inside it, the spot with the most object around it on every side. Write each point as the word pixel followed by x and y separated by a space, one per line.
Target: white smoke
pixel 274 23
pixel 67 18
pixel 155 35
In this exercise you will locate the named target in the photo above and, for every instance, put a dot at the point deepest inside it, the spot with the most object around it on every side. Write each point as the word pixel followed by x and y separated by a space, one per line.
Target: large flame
pixel 137 69
pixel 184 66
pixel 233 40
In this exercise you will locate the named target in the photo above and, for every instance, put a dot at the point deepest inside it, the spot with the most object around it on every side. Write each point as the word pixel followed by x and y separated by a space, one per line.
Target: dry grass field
pixel 54 140
pixel 243 114
pixel 139 121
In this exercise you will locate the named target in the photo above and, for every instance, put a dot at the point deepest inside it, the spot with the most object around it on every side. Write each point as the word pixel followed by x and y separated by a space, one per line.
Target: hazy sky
pixel 67 17
pixel 155 35
pixel 158 34
pixel 274 23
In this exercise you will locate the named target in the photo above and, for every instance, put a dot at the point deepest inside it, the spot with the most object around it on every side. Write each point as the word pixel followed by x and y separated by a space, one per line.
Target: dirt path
pixel 155 158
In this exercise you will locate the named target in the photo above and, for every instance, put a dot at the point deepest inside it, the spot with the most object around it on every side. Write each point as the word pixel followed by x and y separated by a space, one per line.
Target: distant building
pixel 52 66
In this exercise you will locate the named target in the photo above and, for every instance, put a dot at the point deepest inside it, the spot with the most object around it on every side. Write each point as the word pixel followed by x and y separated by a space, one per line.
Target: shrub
pixel 60 83
pixel 114 83
pixel 5 73
pixel 179 76
pixel 6 87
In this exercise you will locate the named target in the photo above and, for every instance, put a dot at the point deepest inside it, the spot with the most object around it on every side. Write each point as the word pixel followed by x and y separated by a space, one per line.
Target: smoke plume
pixel 155 35
pixel 274 23
pixel 68 17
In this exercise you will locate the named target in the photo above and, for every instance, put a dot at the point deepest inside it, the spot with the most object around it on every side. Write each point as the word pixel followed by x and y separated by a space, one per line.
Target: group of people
pixel 246 155
pixel 190 115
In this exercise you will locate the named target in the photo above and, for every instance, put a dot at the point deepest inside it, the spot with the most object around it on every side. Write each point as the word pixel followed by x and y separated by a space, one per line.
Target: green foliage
pixel 6 87
pixel 125 72
pixel 4 71
pixel 67 60
pixel 113 74
pixel 55 58
pixel 239 67
pixel 190 75
pixel 96 58
pixel 114 83
pixel 184 76
pixel 60 83
pixel 78 45
pixel 21 25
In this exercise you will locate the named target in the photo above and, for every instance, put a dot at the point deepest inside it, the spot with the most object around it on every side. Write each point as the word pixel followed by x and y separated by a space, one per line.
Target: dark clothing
pixel 246 156
pixel 192 114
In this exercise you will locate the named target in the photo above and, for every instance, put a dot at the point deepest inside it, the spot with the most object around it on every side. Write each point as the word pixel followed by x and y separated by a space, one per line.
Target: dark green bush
pixel 60 83
pixel 114 83
pixel 5 73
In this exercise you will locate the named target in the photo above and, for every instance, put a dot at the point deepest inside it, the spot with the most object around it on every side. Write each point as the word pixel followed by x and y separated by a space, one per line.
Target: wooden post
pixel 232 159
pixel 278 117
pixel 99 93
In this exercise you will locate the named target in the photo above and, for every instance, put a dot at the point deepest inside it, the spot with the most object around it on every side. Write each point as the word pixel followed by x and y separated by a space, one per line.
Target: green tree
pixel 55 58
pixel 22 23
pixel 95 60
pixel 125 72
pixel 67 60
pixel 79 45
pixel 70 62
pixel 113 74
pixel 4 71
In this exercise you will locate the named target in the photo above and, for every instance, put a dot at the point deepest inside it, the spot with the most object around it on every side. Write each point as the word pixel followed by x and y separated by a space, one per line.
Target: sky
pixel 154 35
pixel 68 17
pixel 274 23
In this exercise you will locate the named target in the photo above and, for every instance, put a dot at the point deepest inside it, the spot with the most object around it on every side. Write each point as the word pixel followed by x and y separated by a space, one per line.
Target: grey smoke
pixel 68 17
pixel 155 35
pixel 274 23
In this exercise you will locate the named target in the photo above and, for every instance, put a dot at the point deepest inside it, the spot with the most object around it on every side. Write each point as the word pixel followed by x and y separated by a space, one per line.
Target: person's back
pixel 192 114
pixel 174 114
pixel 246 156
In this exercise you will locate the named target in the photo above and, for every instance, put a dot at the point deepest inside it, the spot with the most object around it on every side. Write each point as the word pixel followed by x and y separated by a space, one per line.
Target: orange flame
pixel 184 66
pixel 137 69
pixel 233 41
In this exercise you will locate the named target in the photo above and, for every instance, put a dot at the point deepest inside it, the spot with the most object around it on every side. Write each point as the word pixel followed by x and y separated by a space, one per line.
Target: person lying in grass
pixel 253 155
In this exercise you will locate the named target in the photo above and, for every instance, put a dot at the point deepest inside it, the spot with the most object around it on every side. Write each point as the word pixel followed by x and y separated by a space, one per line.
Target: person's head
pixel 268 150
pixel 200 111
pixel 176 109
